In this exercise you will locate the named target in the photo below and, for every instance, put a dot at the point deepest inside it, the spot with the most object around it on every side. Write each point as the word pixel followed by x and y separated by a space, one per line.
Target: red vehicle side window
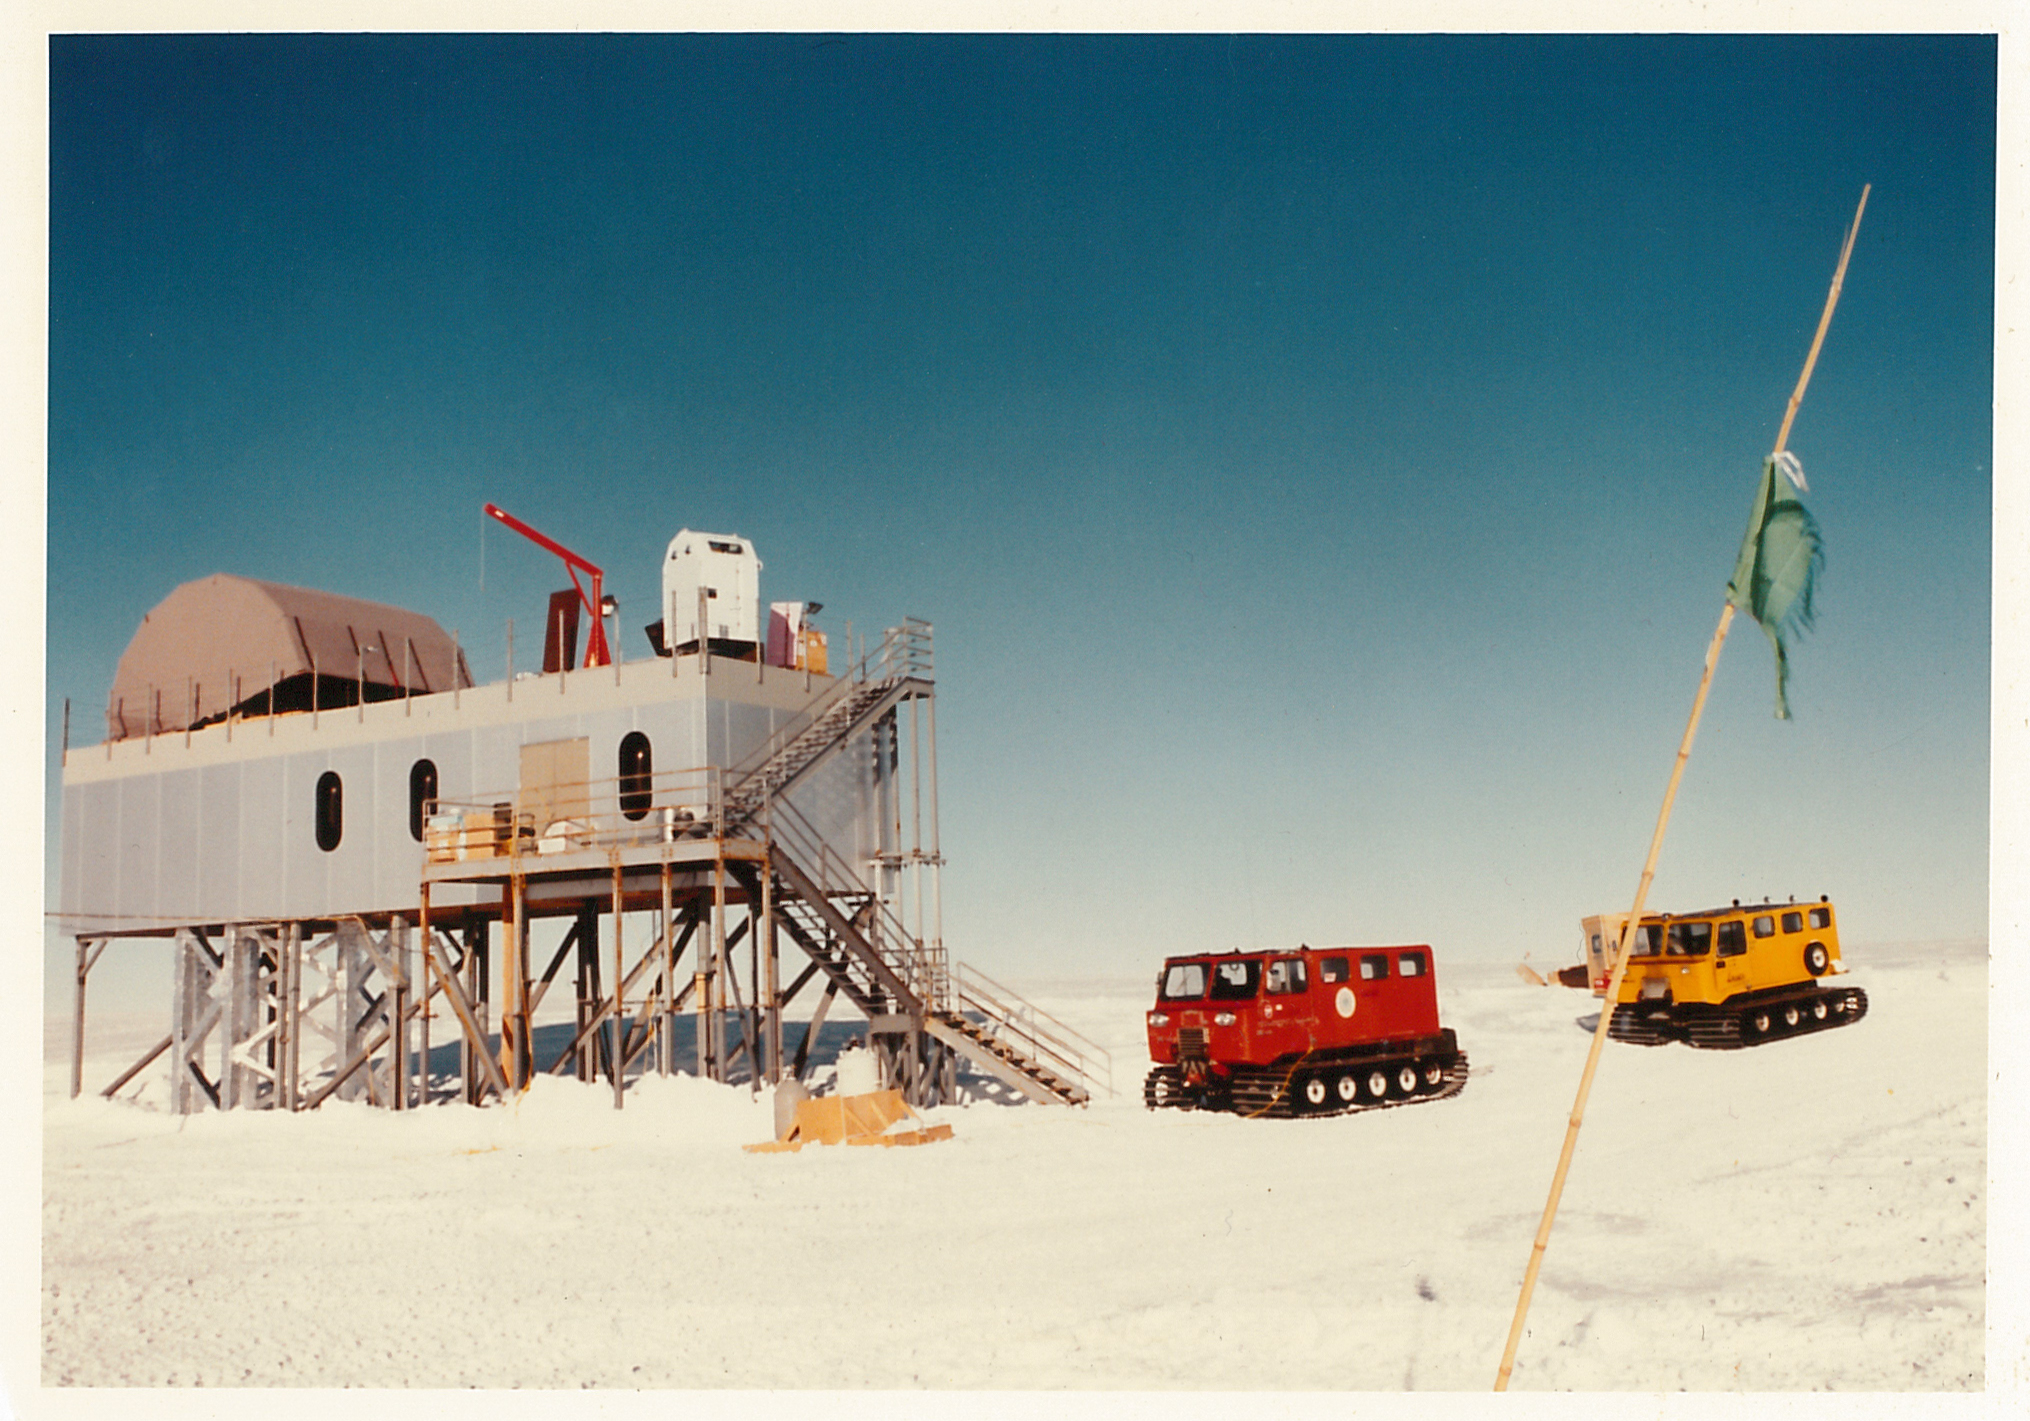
pixel 1235 981
pixel 1410 964
pixel 1332 969
pixel 1286 975
pixel 1374 967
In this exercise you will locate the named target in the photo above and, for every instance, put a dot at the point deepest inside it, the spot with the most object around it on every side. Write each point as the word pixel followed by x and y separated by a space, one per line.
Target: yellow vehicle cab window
pixel 1765 926
pixel 1690 939
pixel 1732 938
pixel 1822 917
pixel 1793 922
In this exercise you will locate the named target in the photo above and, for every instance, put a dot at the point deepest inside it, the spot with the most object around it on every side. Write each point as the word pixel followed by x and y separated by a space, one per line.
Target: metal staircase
pixel 1018 1043
pixel 898 669
pixel 855 938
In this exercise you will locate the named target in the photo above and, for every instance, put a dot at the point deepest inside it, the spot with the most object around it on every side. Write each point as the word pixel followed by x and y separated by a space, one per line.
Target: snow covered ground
pixel 1807 1216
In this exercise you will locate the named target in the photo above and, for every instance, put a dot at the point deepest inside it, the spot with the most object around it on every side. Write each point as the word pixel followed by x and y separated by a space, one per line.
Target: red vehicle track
pixel 1310 1031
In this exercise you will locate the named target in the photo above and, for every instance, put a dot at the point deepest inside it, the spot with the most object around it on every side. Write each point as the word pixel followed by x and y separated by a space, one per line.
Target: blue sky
pixel 1321 457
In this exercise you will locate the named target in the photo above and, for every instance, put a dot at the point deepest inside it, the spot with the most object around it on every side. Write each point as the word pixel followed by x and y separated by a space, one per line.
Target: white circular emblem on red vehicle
pixel 1344 1001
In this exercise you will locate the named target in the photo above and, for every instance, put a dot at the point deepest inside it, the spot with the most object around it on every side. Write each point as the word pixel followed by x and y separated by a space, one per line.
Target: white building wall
pixel 224 829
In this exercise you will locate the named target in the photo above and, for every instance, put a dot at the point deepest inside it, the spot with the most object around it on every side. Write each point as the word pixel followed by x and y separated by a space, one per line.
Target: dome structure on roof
pixel 226 644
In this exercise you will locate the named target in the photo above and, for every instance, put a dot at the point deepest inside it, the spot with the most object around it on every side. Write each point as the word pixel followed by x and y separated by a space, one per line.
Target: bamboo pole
pixel 1634 923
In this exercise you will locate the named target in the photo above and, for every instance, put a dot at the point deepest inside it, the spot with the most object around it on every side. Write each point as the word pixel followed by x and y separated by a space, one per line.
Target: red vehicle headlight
pixel 1225 1018
pixel 1157 1018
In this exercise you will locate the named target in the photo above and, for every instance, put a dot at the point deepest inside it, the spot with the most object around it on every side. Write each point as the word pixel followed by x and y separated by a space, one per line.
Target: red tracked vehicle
pixel 1317 1031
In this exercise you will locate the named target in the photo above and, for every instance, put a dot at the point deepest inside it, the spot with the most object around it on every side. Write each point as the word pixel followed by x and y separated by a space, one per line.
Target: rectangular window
pixel 1235 981
pixel 1765 926
pixel 1410 964
pixel 1286 975
pixel 1690 939
pixel 1374 967
pixel 1732 937
pixel 1793 922
pixel 1184 982
pixel 1822 917
pixel 1332 969
pixel 1648 941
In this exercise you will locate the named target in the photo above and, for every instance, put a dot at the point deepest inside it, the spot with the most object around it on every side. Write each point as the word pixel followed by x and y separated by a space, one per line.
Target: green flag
pixel 1779 563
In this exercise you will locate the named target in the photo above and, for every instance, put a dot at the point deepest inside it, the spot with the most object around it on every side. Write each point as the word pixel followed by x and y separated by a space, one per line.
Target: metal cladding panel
pixel 840 799
pixel 178 830
pixel 138 844
pixel 264 836
pixel 217 842
pixel 92 837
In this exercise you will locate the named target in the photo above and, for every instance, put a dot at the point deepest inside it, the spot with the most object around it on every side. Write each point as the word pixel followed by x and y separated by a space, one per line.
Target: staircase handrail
pixel 903 652
pixel 920 967
pixel 1060 1045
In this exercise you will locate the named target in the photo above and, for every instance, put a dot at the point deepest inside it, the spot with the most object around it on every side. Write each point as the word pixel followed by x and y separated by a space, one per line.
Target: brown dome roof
pixel 223 641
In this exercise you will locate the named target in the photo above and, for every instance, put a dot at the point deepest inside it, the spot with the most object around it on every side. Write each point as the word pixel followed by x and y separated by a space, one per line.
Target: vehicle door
pixel 1289 1021
pixel 1730 960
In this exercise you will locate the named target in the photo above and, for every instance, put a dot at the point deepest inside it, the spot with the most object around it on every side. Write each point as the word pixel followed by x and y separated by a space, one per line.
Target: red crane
pixel 596 653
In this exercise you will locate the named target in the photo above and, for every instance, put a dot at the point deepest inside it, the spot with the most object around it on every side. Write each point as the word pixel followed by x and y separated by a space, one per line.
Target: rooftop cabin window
pixel 1374 967
pixel 1286 975
pixel 1236 981
pixel 1689 940
pixel 718 547
pixel 1184 982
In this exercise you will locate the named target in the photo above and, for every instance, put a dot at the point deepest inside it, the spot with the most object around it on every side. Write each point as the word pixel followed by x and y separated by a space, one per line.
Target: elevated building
pixel 344 841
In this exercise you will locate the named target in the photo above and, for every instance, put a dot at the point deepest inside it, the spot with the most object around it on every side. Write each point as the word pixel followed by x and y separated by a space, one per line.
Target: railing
pixel 905 651
pixel 1038 1034
pixel 625 812
pixel 921 968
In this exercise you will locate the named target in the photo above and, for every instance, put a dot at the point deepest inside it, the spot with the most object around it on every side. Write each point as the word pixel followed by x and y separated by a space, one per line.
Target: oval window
pixel 330 810
pixel 636 775
pixel 422 792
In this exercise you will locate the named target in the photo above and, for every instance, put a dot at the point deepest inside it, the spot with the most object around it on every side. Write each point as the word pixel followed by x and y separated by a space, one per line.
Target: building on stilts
pixel 350 848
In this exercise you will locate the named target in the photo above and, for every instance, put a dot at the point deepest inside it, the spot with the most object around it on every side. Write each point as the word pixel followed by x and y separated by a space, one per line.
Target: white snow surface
pixel 1809 1215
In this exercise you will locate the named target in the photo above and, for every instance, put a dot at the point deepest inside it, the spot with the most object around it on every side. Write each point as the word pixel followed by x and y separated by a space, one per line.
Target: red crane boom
pixel 596 653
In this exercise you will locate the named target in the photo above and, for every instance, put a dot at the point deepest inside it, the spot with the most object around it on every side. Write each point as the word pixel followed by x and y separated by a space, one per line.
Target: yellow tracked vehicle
pixel 1728 977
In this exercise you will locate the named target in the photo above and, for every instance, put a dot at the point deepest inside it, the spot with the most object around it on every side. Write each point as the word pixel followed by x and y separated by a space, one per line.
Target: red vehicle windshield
pixel 1183 982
